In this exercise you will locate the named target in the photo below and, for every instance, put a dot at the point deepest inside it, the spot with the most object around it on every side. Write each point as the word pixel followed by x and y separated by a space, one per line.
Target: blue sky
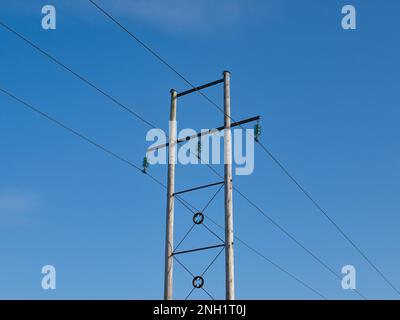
pixel 329 103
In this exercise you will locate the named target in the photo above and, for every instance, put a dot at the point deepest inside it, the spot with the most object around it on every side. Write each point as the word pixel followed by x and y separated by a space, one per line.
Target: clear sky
pixel 329 102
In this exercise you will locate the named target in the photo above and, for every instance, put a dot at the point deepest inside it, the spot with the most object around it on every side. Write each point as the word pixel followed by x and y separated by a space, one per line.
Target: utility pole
pixel 169 240
pixel 171 252
pixel 229 260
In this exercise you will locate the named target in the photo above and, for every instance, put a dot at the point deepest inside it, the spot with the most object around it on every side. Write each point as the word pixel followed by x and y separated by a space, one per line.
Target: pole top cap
pixel 172 91
pixel 226 71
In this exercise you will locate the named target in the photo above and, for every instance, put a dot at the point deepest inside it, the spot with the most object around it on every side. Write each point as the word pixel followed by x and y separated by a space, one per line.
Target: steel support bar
pixel 198 249
pixel 201 187
pixel 200 88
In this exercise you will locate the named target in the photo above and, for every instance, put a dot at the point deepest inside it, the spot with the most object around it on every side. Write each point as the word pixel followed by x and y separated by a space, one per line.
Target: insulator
pixel 145 164
pixel 257 131
pixel 199 149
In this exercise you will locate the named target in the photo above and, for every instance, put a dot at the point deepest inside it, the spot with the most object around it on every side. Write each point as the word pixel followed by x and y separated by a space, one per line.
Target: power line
pixel 80 135
pixel 268 260
pixel 296 241
pixel 263 147
pixel 79 76
pixel 153 52
pixel 113 99
pixel 327 216
pixel 284 231
pixel 131 164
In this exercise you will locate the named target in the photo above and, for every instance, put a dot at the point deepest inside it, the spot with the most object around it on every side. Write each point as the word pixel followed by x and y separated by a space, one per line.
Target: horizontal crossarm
pixel 205 133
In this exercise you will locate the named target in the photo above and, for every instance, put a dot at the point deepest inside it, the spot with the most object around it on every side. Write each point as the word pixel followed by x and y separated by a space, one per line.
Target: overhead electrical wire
pixel 263 147
pixel 132 112
pixel 131 164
